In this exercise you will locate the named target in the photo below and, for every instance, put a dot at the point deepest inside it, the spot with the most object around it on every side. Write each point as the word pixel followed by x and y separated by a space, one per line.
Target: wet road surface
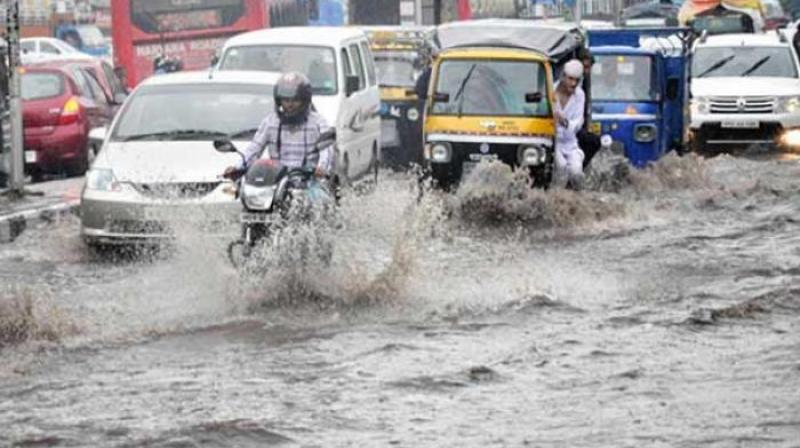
pixel 659 308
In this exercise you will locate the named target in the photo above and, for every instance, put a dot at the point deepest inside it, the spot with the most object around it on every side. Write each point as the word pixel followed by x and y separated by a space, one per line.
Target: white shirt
pixel 566 137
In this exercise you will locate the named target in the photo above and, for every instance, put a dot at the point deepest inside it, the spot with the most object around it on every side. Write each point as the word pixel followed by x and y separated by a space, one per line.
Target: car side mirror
pixel 98 134
pixel 672 89
pixel 214 60
pixel 224 146
pixel 120 98
pixel 351 85
pixel 439 97
pixel 533 97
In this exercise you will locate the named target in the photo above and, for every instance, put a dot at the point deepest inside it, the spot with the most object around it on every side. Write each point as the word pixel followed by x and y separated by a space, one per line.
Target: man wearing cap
pixel 569 110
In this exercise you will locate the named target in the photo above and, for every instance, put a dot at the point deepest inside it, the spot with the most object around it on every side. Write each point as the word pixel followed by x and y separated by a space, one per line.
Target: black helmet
pixel 294 86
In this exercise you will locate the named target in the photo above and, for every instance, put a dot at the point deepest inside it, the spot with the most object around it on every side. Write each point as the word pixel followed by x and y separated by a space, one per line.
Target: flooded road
pixel 659 308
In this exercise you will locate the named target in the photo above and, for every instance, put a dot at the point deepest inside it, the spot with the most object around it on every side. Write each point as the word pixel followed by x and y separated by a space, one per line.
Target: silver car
pixel 158 174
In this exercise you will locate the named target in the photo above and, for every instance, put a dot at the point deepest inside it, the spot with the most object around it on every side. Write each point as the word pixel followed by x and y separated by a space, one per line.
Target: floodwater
pixel 658 308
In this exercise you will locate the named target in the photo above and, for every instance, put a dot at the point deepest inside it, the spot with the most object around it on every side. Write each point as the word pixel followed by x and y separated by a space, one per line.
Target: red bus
pixel 190 30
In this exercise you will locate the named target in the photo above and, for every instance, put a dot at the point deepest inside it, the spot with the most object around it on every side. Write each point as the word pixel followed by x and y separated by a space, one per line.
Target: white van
pixel 341 69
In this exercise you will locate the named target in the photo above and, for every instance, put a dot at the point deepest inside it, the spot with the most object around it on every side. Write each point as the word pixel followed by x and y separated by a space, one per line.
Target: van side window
pixel 48 48
pixel 370 61
pixel 348 68
pixel 359 66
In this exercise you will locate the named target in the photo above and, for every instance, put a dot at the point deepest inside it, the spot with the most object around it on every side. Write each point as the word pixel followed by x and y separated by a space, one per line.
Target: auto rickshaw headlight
pixel 412 114
pixel 441 152
pixel 529 155
pixel 644 133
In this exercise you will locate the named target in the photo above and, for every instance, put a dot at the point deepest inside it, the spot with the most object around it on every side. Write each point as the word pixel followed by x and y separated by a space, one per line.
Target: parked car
pixel 158 167
pixel 104 74
pixel 340 66
pixel 774 15
pixel 745 90
pixel 35 49
pixel 61 103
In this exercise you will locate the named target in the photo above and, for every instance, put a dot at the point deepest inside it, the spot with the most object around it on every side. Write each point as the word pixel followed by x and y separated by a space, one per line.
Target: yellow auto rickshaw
pixel 491 95
pixel 400 53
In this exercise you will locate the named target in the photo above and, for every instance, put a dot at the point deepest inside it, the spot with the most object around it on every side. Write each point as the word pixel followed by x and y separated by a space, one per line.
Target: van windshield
pixel 491 87
pixel 318 63
pixel 622 78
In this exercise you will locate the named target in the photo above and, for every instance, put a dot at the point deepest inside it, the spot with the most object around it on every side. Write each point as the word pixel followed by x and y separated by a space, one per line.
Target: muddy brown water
pixel 659 308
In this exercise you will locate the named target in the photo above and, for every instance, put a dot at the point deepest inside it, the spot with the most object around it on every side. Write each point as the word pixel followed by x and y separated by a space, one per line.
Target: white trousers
pixel 569 166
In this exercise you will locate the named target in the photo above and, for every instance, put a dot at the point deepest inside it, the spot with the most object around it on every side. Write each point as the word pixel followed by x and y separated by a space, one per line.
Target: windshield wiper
pixel 756 66
pixel 243 133
pixel 716 65
pixel 459 94
pixel 175 133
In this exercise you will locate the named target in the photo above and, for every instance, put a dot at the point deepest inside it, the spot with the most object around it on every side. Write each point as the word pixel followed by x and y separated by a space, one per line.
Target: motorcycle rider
pixel 290 132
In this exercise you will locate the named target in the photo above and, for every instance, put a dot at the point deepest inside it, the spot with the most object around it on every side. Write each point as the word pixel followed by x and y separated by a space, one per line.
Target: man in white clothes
pixel 569 109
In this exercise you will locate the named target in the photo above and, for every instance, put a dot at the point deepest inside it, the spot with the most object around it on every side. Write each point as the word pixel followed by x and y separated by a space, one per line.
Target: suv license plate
pixel 740 124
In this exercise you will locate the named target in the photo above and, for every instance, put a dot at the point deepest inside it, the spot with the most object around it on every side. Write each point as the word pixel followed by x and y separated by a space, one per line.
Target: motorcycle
pixel 273 197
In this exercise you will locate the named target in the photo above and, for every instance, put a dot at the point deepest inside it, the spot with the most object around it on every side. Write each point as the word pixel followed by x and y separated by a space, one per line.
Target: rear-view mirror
pixel 351 85
pixel 98 134
pixel 224 146
pixel 533 97
pixel 439 97
pixel 326 139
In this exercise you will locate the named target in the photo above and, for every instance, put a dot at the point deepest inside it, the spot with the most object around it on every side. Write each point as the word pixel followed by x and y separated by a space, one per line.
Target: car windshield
pixel 91 35
pixel 396 68
pixel 490 87
pixel 739 61
pixel 37 86
pixel 318 63
pixel 194 112
pixel 622 78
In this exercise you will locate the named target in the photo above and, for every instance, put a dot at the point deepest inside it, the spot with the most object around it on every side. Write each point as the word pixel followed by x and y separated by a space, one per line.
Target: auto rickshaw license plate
pixel 479 157
pixel 595 128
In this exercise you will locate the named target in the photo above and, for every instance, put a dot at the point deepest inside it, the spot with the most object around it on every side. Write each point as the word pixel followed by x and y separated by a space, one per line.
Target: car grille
pixel 742 105
pixel 186 190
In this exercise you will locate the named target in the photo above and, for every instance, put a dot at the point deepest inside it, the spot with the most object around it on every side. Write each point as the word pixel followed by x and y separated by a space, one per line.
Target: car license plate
pixel 595 128
pixel 479 157
pixel 31 156
pixel 740 124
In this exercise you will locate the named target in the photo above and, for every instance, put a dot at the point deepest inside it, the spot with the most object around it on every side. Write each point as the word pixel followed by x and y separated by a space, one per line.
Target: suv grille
pixel 188 190
pixel 742 105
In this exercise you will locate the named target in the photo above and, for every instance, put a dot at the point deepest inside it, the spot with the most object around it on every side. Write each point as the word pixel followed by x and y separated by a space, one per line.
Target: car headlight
pixel 412 114
pixel 528 155
pixel 644 133
pixel 789 105
pixel 258 198
pixel 699 105
pixel 101 179
pixel 441 152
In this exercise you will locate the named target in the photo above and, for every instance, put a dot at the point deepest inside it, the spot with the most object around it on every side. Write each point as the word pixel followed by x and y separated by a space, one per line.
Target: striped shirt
pixel 296 142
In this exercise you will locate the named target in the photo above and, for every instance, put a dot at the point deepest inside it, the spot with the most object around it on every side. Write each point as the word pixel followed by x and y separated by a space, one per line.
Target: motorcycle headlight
pixel 644 133
pixel 101 179
pixel 412 114
pixel 441 152
pixel 258 198
pixel 699 105
pixel 789 105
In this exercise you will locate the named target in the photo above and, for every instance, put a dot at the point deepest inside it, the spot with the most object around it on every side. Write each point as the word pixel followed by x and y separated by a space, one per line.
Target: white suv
pixel 745 90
